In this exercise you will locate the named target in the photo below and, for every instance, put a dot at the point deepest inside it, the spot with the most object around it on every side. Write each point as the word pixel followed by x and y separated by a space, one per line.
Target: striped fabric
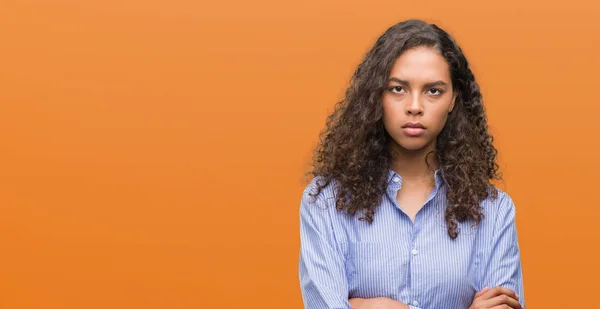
pixel 415 263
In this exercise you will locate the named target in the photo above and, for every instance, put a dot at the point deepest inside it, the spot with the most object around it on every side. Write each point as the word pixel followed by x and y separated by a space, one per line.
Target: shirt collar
pixel 438 175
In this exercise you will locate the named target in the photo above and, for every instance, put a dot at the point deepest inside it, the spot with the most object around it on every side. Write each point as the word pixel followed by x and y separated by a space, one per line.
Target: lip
pixel 413 125
pixel 413 129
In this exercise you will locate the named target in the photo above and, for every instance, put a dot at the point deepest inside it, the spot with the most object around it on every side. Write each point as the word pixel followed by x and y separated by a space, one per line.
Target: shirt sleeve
pixel 502 266
pixel 322 272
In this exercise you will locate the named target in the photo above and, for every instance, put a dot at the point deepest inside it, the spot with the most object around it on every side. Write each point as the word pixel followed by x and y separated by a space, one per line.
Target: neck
pixel 411 164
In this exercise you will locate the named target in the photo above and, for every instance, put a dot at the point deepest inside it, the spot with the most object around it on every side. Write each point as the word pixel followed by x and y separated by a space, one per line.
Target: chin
pixel 413 144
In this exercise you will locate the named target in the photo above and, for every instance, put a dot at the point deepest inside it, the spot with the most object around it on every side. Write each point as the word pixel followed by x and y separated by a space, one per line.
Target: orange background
pixel 153 151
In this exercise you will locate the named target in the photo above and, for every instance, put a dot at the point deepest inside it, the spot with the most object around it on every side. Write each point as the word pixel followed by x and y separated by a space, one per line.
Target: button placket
pixel 414 251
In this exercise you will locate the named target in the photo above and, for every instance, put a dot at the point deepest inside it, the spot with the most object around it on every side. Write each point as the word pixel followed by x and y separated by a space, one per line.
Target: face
pixel 417 99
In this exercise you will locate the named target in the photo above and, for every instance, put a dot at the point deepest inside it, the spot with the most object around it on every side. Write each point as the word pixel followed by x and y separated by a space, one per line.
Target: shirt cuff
pixel 413 307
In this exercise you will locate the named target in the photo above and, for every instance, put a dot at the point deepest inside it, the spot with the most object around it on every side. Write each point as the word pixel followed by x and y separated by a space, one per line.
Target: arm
pixel 378 303
pixel 502 265
pixel 322 272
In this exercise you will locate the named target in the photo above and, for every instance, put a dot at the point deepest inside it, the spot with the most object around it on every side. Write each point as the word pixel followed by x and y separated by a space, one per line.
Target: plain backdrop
pixel 152 152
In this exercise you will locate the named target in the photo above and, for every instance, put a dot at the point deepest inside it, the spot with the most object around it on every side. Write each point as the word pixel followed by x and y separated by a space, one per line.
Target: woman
pixel 401 212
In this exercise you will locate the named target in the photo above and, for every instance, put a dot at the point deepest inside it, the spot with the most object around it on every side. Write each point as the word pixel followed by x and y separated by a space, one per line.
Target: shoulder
pixel 317 209
pixel 499 210
pixel 315 201
pixel 504 201
pixel 311 191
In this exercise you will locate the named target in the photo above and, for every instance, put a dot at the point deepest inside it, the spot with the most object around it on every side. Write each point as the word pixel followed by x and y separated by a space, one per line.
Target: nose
pixel 414 106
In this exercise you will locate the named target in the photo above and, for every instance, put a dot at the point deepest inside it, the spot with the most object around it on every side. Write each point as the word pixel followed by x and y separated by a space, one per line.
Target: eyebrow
pixel 427 85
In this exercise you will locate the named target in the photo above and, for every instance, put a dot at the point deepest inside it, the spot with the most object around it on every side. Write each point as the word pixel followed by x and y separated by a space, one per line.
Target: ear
pixel 453 101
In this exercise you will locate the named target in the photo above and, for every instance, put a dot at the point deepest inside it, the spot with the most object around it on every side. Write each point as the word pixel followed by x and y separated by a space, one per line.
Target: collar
pixel 395 177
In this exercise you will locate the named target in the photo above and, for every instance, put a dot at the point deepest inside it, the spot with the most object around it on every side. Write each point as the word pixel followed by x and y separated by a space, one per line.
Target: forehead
pixel 421 63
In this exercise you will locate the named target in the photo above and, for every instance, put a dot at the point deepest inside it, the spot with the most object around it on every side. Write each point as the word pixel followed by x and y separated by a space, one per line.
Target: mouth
pixel 413 125
pixel 413 131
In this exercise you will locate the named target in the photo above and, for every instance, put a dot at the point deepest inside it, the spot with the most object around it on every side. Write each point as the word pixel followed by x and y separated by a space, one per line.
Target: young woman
pixel 401 212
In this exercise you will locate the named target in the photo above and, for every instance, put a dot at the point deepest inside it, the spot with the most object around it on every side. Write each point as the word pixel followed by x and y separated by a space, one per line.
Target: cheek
pixel 439 119
pixel 392 114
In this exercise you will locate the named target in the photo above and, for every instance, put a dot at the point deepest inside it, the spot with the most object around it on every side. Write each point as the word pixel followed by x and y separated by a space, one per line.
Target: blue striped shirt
pixel 416 263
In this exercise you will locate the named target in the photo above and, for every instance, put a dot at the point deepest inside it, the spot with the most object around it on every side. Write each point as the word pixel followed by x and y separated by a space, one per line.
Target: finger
pixel 503 299
pixel 498 290
pixel 481 292
pixel 356 302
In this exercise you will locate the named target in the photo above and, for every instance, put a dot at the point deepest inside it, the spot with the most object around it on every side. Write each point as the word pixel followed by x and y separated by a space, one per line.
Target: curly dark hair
pixel 353 148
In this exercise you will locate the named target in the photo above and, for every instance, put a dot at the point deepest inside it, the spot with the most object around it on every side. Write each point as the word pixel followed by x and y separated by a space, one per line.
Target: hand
pixel 495 298
pixel 376 303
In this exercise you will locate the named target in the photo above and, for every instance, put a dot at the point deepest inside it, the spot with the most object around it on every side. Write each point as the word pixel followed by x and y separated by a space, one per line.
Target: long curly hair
pixel 354 146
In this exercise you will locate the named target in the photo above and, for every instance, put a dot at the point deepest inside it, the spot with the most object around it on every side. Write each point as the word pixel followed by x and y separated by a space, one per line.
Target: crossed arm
pixel 324 283
pixel 486 298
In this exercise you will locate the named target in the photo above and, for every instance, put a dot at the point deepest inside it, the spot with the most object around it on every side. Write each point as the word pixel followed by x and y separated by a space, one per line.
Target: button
pixel 414 251
pixel 396 179
pixel 415 303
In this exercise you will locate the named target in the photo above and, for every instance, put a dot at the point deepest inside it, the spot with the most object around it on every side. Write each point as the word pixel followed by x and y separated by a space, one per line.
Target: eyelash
pixel 440 91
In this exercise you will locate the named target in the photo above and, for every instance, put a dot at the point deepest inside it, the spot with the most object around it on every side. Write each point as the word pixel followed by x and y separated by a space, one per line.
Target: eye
pixel 396 89
pixel 435 91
